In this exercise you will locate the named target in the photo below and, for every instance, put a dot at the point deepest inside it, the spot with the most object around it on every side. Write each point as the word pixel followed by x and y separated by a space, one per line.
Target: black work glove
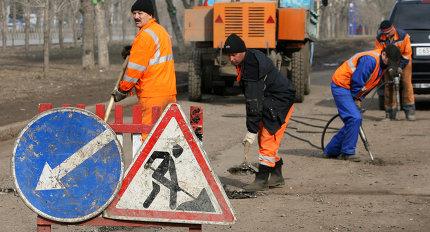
pixel 118 95
pixel 125 51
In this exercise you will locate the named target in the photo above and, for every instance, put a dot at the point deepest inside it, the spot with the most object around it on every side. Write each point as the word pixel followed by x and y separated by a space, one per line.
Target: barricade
pixel 135 129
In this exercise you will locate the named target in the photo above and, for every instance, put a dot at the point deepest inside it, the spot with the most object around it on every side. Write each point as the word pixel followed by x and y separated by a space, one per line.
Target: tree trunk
pixel 74 18
pixel 88 35
pixel 110 20
pixel 123 21
pixel 3 23
pixel 27 27
pixel 175 25
pixel 38 24
pixel 46 36
pixel 60 18
pixel 102 36
pixel 13 7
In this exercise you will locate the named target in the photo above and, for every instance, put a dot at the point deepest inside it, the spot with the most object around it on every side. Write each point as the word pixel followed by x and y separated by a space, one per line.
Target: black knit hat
pixel 385 25
pixel 143 5
pixel 393 53
pixel 234 44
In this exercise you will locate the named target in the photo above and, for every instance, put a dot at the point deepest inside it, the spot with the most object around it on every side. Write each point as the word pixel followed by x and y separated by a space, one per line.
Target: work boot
pixel 348 157
pixel 261 179
pixel 409 112
pixel 390 114
pixel 276 179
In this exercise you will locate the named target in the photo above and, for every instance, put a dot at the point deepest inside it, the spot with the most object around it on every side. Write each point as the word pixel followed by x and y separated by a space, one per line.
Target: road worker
pixel 351 82
pixel 389 34
pixel 269 105
pixel 150 69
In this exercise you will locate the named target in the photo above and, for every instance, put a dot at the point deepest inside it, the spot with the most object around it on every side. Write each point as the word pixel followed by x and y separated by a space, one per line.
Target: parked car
pixel 413 17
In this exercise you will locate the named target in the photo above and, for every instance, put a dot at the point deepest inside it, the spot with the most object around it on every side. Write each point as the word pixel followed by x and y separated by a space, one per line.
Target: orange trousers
pixel 147 103
pixel 407 92
pixel 269 144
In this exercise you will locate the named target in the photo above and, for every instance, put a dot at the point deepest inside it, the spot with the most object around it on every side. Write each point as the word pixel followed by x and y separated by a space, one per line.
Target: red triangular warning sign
pixel 171 180
pixel 270 20
pixel 219 19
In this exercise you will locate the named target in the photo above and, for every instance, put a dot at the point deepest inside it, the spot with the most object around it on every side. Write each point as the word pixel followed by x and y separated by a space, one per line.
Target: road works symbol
pixel 87 161
pixel 170 180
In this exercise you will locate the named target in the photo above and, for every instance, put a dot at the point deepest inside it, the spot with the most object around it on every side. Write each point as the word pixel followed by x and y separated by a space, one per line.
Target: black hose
pixel 325 129
pixel 327 125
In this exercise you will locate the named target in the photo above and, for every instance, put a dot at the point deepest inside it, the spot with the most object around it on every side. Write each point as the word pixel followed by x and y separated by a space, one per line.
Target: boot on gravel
pixel 261 179
pixel 391 114
pixel 410 114
pixel 348 157
pixel 276 179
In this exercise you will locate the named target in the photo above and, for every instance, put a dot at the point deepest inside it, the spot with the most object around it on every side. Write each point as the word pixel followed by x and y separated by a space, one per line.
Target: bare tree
pixel 46 35
pixel 3 23
pixel 58 9
pixel 75 13
pixel 102 36
pixel 123 20
pixel 13 7
pixel 175 25
pixel 87 10
pixel 27 26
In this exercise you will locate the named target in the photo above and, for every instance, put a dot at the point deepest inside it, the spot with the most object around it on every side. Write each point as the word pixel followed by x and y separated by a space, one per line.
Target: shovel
pixel 111 100
pixel 245 167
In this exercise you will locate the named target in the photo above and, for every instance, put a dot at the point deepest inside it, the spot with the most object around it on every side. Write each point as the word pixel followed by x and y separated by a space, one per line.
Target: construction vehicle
pixel 283 29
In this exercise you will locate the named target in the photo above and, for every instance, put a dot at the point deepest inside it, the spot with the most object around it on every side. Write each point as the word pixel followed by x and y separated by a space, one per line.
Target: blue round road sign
pixel 67 165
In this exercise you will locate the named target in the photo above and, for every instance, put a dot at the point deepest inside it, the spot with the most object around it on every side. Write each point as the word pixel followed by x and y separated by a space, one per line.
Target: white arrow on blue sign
pixel 67 165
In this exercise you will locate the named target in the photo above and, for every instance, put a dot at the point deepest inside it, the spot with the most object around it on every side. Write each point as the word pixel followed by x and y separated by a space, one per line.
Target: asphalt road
pixel 321 194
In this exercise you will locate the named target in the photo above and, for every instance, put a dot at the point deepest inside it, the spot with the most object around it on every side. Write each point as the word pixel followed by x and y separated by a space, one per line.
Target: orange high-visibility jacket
pixel 151 67
pixel 401 39
pixel 342 76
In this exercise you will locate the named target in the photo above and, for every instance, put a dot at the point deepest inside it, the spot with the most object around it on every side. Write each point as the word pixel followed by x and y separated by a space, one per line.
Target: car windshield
pixel 412 16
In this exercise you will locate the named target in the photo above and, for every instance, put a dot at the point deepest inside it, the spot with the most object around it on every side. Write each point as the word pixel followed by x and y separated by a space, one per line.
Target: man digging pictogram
pixel 167 165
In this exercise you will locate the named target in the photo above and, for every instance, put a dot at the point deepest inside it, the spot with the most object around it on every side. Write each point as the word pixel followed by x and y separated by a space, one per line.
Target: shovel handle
pixel 111 100
pixel 246 147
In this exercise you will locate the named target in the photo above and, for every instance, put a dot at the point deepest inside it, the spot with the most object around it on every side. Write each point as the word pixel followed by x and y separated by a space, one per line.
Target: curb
pixel 11 131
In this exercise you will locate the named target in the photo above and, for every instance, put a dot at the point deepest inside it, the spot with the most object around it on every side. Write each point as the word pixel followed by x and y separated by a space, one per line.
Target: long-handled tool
pixel 245 167
pixel 365 142
pixel 361 133
pixel 111 100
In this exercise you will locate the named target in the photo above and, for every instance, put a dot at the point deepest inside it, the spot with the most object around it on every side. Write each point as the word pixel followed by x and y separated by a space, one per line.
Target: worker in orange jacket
pixel 150 69
pixel 388 34
pixel 351 82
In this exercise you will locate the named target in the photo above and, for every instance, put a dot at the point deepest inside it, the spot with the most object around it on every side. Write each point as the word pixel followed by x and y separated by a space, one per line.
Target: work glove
pixel 358 103
pixel 399 70
pixel 249 138
pixel 125 51
pixel 118 95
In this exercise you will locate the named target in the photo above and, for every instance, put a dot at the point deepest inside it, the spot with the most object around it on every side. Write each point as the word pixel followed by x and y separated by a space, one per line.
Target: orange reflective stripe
pixel 136 66
pixel 130 79
pixel 157 58
pixel 151 68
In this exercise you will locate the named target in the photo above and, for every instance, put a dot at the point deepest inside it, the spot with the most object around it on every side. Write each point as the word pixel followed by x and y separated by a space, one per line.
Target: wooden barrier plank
pixel 136 128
